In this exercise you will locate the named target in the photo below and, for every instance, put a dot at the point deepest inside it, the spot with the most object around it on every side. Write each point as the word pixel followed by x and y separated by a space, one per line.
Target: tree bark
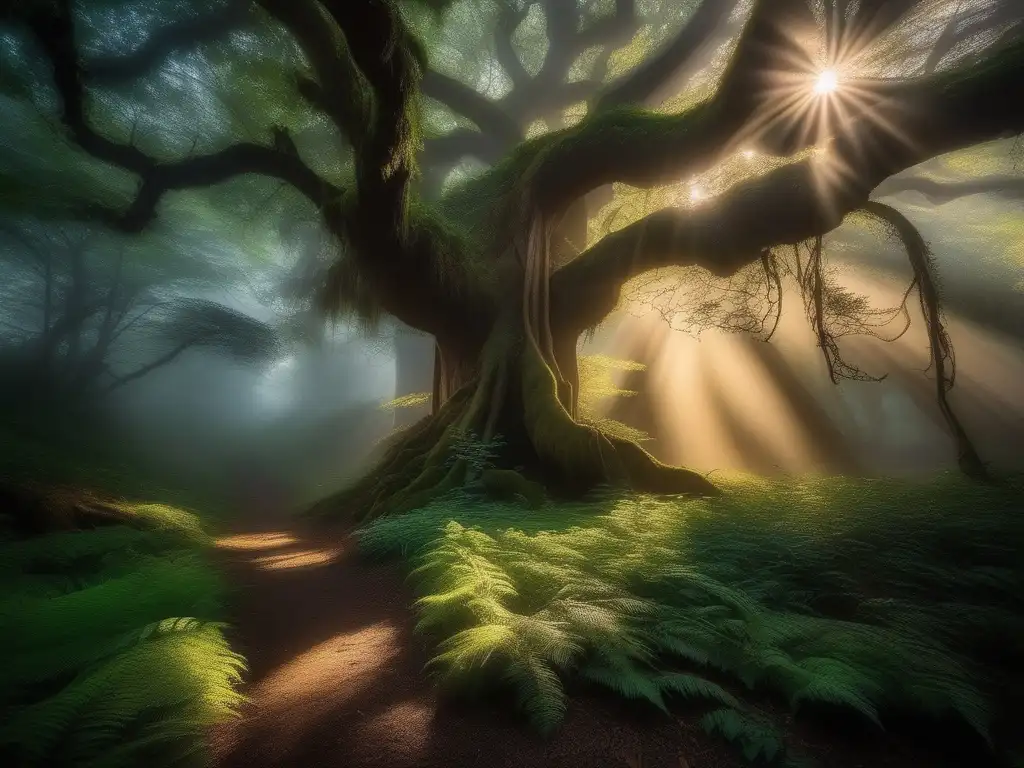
pixel 509 392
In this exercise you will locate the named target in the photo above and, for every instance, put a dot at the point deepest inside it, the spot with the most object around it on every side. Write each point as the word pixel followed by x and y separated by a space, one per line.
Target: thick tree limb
pixel 562 24
pixel 723 236
pixel 802 200
pixel 941 192
pixel 387 56
pixel 648 149
pixel 205 170
pixel 338 89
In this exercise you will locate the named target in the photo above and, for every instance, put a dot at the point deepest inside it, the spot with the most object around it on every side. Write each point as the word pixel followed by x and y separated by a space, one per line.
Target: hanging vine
pixel 834 312
pixel 943 358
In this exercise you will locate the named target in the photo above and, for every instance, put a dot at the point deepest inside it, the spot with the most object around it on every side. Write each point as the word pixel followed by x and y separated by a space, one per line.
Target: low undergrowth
pixel 882 598
pixel 111 652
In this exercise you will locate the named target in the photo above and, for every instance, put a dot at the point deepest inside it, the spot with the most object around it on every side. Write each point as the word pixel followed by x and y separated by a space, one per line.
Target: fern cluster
pixel 112 653
pixel 874 596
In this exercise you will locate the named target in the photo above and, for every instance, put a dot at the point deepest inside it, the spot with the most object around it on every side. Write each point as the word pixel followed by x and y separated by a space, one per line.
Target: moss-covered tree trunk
pixel 518 392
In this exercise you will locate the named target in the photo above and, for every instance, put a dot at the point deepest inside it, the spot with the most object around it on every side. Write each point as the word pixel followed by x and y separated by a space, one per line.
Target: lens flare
pixel 826 83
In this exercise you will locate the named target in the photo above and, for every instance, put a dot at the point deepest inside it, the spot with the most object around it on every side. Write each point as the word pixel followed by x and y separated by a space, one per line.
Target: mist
pixel 727 401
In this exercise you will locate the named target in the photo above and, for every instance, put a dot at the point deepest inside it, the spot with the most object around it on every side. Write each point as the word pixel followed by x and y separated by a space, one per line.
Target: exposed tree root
pixel 507 483
pixel 515 392
pixel 402 462
pixel 520 391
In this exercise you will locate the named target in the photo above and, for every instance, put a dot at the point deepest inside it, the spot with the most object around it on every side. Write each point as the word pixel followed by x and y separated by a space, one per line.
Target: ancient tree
pixel 495 269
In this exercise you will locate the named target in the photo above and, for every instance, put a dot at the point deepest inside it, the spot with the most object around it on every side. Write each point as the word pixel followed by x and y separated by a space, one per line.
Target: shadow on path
pixel 336 680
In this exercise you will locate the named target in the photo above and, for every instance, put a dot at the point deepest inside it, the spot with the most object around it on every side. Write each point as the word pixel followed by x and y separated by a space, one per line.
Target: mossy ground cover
pixel 883 598
pixel 112 652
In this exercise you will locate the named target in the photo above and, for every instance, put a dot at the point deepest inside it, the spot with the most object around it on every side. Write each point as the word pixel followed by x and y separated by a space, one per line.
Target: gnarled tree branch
pixel 54 32
pixel 942 112
pixel 338 87
pixel 648 149
pixel 800 200
pixel 205 170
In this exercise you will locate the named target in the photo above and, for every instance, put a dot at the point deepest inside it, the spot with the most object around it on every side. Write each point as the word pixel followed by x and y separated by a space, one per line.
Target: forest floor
pixel 336 678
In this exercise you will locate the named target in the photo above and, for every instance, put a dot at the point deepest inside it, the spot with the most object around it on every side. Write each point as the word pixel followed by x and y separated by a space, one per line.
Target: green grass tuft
pixel 875 596
pixel 115 655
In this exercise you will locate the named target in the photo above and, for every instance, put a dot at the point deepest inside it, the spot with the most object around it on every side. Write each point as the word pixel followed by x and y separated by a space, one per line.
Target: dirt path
pixel 336 680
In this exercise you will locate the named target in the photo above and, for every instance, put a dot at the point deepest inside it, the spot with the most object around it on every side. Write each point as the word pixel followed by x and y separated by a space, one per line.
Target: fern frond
pixel 757 739
pixel 694 687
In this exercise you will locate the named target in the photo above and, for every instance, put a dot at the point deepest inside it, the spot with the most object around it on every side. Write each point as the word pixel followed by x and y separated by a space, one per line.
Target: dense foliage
pixel 114 652
pixel 880 597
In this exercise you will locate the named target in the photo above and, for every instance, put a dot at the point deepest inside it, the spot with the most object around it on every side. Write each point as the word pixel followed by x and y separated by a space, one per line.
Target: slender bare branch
pixel 159 362
pixel 943 359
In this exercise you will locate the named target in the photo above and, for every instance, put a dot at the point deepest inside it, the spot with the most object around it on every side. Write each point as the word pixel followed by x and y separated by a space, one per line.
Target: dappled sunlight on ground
pixel 315 691
pixel 277 550
pixel 256 541
pixel 331 669
pixel 303 558
pixel 330 673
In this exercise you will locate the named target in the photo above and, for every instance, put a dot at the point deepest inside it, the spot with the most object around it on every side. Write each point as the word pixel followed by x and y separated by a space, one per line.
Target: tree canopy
pixel 494 173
